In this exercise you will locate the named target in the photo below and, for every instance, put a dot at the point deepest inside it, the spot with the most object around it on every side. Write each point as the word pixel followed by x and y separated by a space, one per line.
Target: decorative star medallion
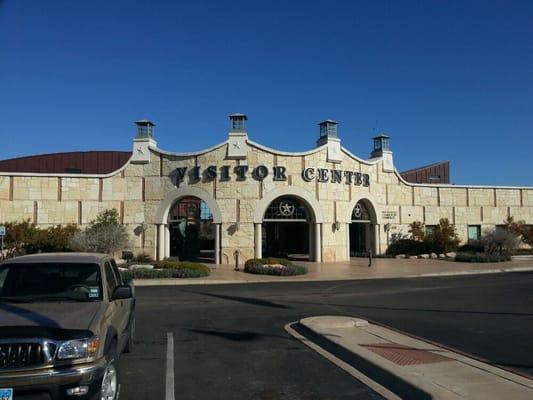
pixel 286 208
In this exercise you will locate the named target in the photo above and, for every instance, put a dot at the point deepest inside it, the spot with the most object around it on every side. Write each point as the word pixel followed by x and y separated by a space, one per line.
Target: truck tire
pixel 110 386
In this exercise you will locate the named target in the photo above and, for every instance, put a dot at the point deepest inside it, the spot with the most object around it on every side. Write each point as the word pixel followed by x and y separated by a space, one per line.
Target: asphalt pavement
pixel 230 342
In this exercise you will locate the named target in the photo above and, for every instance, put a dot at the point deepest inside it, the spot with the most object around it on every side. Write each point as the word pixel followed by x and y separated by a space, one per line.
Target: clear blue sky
pixel 447 80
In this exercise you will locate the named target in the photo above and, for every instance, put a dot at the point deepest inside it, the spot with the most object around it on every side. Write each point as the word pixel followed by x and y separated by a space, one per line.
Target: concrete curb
pixel 459 378
pixel 203 281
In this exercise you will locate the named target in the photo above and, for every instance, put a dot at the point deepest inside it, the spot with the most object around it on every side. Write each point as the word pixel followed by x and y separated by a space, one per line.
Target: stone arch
pixel 370 204
pixel 307 197
pixel 175 195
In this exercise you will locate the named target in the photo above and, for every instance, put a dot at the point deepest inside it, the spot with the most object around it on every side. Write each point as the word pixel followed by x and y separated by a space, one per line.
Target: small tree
pixel 500 241
pixel 104 235
pixel 417 231
pixel 445 235
pixel 19 236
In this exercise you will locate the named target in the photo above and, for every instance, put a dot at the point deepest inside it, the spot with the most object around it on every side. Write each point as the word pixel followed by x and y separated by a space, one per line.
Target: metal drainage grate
pixel 403 355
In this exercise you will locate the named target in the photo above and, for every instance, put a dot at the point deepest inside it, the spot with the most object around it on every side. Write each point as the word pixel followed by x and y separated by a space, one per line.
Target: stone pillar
pixel 167 240
pixel 318 242
pixel 217 243
pixel 311 241
pixel 348 241
pixel 258 240
pixel 161 241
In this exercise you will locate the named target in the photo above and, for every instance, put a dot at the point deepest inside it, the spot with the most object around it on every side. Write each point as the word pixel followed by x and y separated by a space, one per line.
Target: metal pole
pixel 2 254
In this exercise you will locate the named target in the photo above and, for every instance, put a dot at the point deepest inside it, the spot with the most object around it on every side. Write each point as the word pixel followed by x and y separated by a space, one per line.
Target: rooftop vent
pixel 381 144
pixel 328 129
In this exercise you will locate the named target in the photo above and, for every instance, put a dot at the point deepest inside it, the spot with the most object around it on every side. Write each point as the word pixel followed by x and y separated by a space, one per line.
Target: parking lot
pixel 229 340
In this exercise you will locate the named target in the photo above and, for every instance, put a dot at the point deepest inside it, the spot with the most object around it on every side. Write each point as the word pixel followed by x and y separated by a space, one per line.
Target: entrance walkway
pixel 357 268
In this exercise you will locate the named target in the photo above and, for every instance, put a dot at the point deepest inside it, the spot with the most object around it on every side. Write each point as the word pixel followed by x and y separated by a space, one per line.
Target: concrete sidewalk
pixel 357 268
pixel 400 366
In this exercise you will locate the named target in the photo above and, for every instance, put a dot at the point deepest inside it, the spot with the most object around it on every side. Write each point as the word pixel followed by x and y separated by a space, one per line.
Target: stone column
pixel 348 241
pixel 318 242
pixel 258 240
pixel 217 243
pixel 167 240
pixel 311 241
pixel 161 241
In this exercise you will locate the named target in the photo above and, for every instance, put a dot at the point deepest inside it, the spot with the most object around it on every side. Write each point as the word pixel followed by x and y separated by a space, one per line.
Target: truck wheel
pixel 110 387
pixel 131 336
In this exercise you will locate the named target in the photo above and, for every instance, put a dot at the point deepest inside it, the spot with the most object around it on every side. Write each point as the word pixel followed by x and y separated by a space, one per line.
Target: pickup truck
pixel 65 319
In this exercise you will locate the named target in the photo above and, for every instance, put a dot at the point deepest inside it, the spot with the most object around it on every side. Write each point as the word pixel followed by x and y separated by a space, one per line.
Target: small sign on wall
pixel 389 214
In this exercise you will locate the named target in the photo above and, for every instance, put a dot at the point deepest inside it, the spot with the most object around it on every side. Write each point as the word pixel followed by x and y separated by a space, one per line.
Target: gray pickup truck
pixel 64 321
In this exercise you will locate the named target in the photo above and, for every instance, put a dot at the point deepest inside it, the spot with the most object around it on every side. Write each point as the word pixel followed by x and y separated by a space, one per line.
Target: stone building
pixel 324 204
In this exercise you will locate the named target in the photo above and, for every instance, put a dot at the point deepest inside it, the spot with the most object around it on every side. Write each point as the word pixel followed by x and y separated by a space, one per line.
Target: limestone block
pixel 481 197
pixel 4 187
pixel 133 212
pixel 91 209
pixel 56 213
pixel 495 215
pixel 400 194
pixel 34 188
pixel 426 196
pixel 16 211
pixel 507 197
pixel 452 196
pixel 467 215
pixel 527 197
pixel 134 170
pixel 522 214
pixel 434 214
pixel 80 188
pixel 412 213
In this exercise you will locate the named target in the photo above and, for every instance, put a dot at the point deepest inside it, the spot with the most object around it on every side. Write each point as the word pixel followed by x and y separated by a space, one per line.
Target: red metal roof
pixel 434 173
pixel 78 162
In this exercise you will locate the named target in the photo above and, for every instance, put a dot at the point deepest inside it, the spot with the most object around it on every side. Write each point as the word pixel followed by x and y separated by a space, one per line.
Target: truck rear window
pixel 50 282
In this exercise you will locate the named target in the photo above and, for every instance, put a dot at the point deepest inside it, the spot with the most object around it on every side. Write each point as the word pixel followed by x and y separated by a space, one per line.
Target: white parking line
pixel 169 392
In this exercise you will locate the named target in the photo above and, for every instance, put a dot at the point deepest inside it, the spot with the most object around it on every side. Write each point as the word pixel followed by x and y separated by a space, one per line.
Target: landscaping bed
pixel 165 269
pixel 273 266
pixel 482 257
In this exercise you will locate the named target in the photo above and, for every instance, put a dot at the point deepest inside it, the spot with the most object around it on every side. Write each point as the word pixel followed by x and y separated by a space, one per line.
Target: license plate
pixel 6 394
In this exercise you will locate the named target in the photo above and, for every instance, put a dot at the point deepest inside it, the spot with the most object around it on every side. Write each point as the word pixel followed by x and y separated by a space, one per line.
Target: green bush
pixel 268 260
pixel 265 266
pixel 481 257
pixel 143 258
pixel 413 247
pixel 169 264
pixel 163 273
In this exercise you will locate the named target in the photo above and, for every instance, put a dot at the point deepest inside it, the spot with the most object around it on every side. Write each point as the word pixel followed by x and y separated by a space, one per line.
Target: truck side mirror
pixel 122 292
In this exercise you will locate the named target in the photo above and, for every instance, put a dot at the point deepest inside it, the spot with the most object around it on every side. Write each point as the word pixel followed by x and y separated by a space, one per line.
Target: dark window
pixel 474 232
pixel 287 208
pixel 430 229
pixel 117 272
pixel 50 281
pixel 110 279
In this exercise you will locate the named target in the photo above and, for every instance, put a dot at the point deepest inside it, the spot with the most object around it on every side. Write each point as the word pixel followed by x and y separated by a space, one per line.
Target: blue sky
pixel 447 80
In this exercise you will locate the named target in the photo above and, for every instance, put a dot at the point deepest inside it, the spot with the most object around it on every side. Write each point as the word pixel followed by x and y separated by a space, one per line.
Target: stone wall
pixel 138 190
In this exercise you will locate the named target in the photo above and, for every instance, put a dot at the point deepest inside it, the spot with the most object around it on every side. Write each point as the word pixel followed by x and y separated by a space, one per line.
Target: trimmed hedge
pixel 169 264
pixel 265 266
pixel 413 247
pixel 481 257
pixel 168 269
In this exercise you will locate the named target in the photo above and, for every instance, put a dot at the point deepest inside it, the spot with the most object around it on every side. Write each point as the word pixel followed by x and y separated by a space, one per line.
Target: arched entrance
pixel 191 229
pixel 362 229
pixel 286 229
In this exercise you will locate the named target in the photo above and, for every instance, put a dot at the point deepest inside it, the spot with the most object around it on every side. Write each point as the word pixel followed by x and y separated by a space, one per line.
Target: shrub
pixel 104 235
pixel 473 246
pixel 181 265
pixel 143 258
pixel 500 241
pixel 266 266
pixel 128 275
pixel 268 260
pixel 481 257
pixel 416 229
pixel 413 247
pixel 444 236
